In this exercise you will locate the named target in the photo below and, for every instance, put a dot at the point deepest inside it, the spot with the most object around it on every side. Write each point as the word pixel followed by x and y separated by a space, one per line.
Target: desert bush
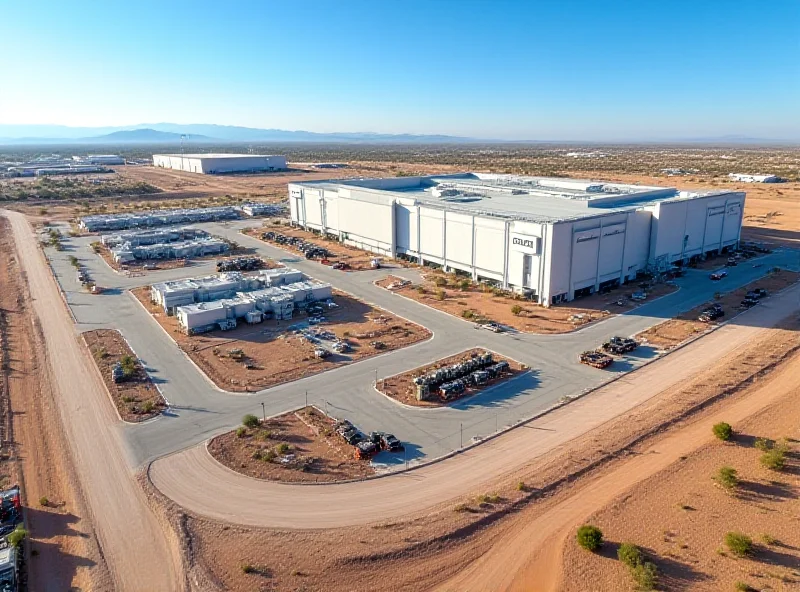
pixel 743 587
pixel 440 294
pixel 250 421
pixel 774 460
pixel 516 310
pixel 439 281
pixel 247 568
pixel 467 314
pixel 590 537
pixel 768 539
pixel 268 455
pixel 128 363
pixel 241 432
pixel 282 448
pixel 739 543
pixel 17 536
pixel 726 477
pixel 629 554
pixel 522 486
pixel 723 431
pixel 763 444
pixel 148 407
pixel 489 498
pixel 464 285
pixel 43 501
pixel 645 575
pixel 420 289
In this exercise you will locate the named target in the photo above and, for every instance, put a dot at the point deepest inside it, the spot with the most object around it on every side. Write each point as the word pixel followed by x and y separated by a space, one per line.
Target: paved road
pixel 131 538
pixel 199 410
pixel 197 482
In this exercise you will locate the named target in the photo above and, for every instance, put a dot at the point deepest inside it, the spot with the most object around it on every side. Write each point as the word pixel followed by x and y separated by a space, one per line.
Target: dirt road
pixel 195 481
pixel 132 539
pixel 530 560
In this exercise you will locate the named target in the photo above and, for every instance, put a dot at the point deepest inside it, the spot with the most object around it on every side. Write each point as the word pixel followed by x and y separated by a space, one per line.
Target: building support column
pixel 474 270
pixel 507 238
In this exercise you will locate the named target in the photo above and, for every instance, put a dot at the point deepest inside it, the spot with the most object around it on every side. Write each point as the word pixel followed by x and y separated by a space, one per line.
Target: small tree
pixel 774 460
pixel 739 544
pixel 629 554
pixel 723 431
pixel 250 421
pixel 645 575
pixel 726 477
pixel 128 364
pixel 590 537
pixel 516 310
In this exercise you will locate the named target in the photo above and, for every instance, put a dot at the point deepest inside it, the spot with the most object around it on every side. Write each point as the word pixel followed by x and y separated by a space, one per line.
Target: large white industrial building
pixel 218 164
pixel 552 238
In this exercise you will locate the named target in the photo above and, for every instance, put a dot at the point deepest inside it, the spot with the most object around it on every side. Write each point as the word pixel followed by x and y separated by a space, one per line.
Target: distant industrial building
pixel 102 222
pixel 219 164
pixel 103 159
pixel 553 239
pixel 747 178
pixel 217 302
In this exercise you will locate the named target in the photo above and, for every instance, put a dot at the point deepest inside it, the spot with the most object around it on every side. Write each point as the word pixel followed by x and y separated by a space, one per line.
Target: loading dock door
pixel 526 271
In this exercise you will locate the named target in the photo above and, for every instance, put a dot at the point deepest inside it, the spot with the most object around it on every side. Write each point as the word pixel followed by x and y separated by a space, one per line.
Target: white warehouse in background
pixel 219 164
pixel 551 238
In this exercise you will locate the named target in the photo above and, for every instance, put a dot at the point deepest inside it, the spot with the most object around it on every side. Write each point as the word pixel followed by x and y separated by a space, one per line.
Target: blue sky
pixel 571 70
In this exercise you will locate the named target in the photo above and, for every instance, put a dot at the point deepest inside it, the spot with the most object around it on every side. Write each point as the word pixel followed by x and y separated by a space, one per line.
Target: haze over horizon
pixel 569 71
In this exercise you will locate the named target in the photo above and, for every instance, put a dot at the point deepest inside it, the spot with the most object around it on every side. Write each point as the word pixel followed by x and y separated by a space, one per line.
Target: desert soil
pixel 489 539
pixel 462 298
pixel 673 332
pixel 35 452
pixel 315 453
pixel 275 354
pixel 136 398
pixel 357 259
pixel 401 387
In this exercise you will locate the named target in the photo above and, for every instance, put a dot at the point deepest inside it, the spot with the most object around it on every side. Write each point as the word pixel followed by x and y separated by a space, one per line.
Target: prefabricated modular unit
pixel 280 276
pixel 550 238
pixel 204 289
pixel 151 237
pixel 126 253
pixel 262 209
pixel 102 222
pixel 218 164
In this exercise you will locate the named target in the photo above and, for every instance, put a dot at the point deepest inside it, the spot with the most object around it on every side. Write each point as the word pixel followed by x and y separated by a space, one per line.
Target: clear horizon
pixel 569 71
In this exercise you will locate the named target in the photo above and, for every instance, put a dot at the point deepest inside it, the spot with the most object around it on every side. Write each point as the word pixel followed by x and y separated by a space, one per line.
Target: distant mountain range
pixel 201 133
pixel 161 133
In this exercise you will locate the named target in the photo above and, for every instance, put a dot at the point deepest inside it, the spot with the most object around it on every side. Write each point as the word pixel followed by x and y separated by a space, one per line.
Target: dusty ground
pixel 772 210
pixel 317 453
pixel 460 297
pixel 35 453
pixel 424 550
pixel 357 259
pixel 402 388
pixel 680 517
pixel 276 355
pixel 673 332
pixel 137 398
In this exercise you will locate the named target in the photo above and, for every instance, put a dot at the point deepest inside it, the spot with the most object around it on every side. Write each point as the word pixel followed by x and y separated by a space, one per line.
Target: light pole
pixel 376 378
pixel 264 411
pixel 306 398
pixel 462 435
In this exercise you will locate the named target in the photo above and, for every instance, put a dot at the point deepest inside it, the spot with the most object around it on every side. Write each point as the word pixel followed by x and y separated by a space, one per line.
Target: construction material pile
pixel 620 345
pixel 240 264
pixel 451 381
pixel 595 359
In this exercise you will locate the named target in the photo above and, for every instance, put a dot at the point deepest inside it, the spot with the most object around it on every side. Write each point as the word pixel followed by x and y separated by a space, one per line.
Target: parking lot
pixel 199 409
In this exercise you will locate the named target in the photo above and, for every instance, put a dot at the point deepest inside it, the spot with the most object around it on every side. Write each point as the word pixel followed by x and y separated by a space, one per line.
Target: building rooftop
pixel 219 155
pixel 537 199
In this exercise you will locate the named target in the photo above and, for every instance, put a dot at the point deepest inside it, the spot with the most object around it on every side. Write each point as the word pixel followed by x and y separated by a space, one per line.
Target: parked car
pixel 718 275
pixel 392 444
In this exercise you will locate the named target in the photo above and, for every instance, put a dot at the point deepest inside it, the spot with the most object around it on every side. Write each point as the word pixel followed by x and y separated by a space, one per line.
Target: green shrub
pixel 739 544
pixel 768 539
pixel 128 363
pixel 763 444
pixel 629 554
pixel 727 478
pixel 516 310
pixel 464 285
pixel 440 294
pixel 439 282
pixel 268 455
pixel 43 501
pixel 590 537
pixel 489 498
pixel 148 406
pixel 723 431
pixel 522 486
pixel 743 587
pixel 420 289
pixel 250 421
pixel 241 432
pixel 467 314
pixel 774 460
pixel 17 536
pixel 282 448
pixel 247 568
pixel 645 575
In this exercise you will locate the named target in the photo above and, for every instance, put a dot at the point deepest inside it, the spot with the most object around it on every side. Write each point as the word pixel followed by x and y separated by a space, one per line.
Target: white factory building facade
pixel 219 164
pixel 551 238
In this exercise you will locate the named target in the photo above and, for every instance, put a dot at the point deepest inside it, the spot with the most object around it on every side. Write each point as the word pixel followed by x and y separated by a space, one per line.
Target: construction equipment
pixel 240 264
pixel 341 265
pixel 620 345
pixel 595 359
pixel 375 263
pixel 711 313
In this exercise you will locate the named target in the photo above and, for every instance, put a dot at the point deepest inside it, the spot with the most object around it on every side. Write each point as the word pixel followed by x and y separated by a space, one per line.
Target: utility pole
pixel 376 378
pixel 462 435
pixel 264 411
pixel 306 398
